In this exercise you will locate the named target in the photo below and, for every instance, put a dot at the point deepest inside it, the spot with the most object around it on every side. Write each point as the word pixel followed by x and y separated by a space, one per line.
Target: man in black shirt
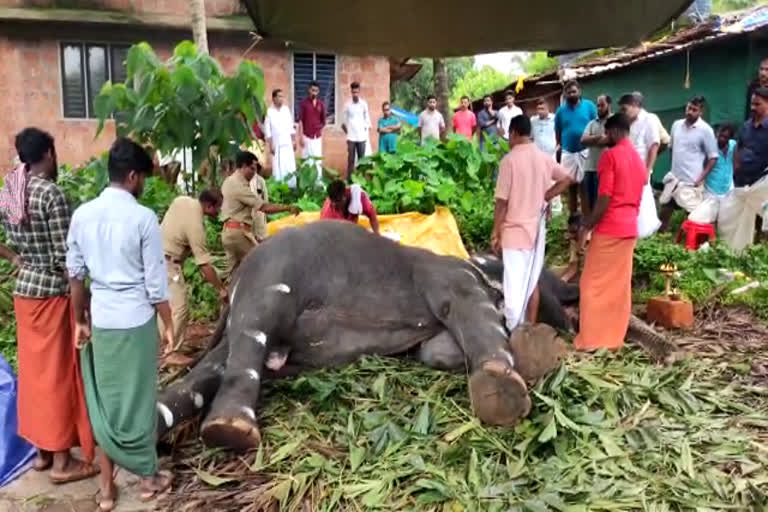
pixel 760 81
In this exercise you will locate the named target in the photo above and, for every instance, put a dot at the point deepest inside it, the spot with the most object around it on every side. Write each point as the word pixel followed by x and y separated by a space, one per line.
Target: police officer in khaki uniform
pixel 237 210
pixel 259 188
pixel 183 231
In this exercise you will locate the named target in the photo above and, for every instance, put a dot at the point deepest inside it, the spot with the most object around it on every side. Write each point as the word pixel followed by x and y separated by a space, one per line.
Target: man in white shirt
pixel 357 123
pixel 281 139
pixel 431 122
pixel 646 139
pixel 643 132
pixel 543 129
pixel 694 153
pixel 506 113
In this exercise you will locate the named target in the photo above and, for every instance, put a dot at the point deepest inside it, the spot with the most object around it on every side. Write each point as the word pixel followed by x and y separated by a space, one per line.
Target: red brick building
pixel 56 54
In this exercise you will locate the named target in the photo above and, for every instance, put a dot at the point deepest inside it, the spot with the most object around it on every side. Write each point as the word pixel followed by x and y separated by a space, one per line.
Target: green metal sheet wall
pixel 719 71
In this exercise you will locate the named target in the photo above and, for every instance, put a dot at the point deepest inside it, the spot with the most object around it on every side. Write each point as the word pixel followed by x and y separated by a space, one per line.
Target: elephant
pixel 325 294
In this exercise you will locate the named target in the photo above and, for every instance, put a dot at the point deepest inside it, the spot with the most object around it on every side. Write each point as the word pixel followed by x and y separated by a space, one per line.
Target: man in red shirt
pixel 464 121
pixel 311 123
pixel 606 282
pixel 347 203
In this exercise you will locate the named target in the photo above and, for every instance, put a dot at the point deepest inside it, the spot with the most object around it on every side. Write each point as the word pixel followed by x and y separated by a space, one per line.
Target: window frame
pixel 314 74
pixel 83 45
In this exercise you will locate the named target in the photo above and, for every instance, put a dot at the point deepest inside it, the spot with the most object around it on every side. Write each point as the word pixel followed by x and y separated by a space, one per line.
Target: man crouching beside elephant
pixel 523 190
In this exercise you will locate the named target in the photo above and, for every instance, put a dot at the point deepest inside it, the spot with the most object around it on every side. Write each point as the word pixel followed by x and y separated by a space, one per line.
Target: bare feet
pixel 43 461
pixel 108 499
pixel 156 485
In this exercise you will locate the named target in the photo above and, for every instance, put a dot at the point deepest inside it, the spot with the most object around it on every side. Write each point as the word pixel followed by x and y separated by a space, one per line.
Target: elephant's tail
pixel 658 347
pixel 218 333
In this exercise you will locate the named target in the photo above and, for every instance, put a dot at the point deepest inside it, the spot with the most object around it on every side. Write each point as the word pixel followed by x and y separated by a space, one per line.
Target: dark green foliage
pixel 455 174
pixel 184 102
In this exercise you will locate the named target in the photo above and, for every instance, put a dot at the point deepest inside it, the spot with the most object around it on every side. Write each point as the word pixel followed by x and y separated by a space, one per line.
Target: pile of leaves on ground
pixel 607 432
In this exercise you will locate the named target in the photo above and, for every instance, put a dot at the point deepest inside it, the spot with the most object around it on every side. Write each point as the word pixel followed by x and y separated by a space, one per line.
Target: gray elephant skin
pixel 324 295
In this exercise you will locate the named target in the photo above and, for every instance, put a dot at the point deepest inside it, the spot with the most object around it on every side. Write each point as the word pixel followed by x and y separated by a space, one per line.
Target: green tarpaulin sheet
pixel 437 28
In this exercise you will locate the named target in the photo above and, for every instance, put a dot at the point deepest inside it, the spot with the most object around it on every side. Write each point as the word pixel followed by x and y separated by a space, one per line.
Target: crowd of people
pixel 110 276
pixel 605 161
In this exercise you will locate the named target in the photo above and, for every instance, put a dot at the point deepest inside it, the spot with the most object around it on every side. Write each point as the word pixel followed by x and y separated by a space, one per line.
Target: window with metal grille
pixel 85 68
pixel 319 67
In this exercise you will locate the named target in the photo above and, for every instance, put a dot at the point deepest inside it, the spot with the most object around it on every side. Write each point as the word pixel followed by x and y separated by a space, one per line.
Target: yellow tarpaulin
pixel 437 232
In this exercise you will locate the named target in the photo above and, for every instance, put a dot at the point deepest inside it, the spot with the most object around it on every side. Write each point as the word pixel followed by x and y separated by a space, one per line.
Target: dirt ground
pixel 34 492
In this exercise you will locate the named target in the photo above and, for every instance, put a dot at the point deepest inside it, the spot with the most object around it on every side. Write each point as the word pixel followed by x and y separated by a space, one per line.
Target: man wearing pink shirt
pixel 519 231
pixel 464 121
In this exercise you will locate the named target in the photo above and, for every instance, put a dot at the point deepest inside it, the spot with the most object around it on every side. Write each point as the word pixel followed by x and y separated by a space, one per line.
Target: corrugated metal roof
pixel 728 26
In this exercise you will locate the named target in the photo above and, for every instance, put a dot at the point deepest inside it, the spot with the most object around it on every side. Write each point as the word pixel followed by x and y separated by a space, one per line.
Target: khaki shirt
pixel 183 230
pixel 259 189
pixel 239 201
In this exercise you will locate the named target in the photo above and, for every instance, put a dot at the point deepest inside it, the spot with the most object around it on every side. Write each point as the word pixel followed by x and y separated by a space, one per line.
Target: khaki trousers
pixel 177 299
pixel 237 244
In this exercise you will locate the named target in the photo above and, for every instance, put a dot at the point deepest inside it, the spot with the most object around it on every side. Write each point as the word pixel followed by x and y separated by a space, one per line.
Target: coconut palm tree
pixel 441 90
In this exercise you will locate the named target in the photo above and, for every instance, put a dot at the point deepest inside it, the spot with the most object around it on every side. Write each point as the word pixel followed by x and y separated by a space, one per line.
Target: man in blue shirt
pixel 571 119
pixel 388 128
pixel 719 180
pixel 116 242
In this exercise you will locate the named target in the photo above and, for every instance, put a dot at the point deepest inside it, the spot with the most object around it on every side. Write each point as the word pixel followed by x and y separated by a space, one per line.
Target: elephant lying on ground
pixel 325 294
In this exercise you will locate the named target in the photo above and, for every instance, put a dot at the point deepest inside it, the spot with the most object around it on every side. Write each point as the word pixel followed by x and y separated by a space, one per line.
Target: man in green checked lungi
pixel 116 242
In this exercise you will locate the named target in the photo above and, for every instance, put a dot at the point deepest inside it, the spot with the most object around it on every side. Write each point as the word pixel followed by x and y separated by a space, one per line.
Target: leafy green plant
pixel 184 102
pixel 477 82
pixel 455 174
pixel 539 62
pixel 698 271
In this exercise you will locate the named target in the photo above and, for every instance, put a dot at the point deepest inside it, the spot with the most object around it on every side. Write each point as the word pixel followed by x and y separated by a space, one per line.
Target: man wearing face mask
pixel 116 243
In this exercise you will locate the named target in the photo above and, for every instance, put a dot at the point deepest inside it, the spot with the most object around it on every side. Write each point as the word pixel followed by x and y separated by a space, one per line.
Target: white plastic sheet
pixel 738 211
pixel 706 212
pixel 648 219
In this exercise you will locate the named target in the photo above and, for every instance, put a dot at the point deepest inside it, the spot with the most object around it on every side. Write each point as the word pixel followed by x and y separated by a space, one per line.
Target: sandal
pixel 83 472
pixel 163 481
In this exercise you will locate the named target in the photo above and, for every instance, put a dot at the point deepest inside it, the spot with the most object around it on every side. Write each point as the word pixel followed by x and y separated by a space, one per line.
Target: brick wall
pixel 212 7
pixel 30 88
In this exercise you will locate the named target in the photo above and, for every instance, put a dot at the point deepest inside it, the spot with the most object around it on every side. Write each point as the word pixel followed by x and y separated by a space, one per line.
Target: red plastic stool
pixel 695 234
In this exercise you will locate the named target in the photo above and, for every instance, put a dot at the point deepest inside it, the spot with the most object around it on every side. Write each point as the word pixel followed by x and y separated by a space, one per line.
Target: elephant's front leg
pixel 499 395
pixel 255 321
pixel 185 398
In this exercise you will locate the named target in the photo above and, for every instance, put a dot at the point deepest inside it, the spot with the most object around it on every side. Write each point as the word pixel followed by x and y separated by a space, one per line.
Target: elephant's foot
pixel 498 394
pixel 537 350
pixel 235 433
